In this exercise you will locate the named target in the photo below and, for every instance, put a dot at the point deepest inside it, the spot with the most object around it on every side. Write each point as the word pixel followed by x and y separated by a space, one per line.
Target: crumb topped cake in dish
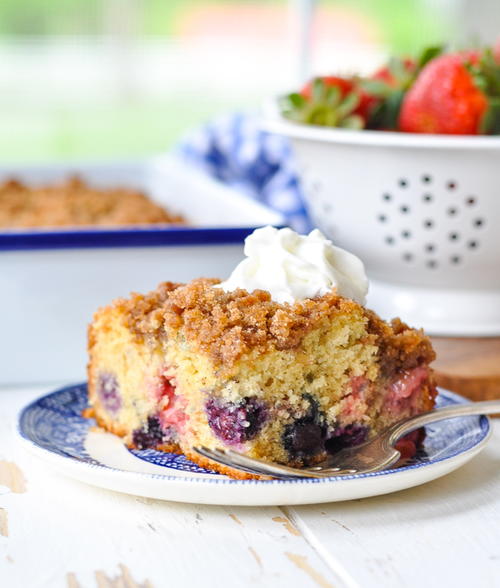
pixel 281 362
pixel 75 203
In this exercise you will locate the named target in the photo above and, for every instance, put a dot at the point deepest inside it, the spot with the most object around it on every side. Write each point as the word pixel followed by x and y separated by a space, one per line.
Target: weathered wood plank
pixel 445 533
pixel 63 533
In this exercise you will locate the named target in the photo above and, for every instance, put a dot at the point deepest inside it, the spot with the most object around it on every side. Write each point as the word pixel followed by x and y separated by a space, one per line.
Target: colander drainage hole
pixel 432 263
pixel 382 218
pixel 386 197
pixel 426 179
pixel 452 211
pixel 455 259
pixel 405 234
pixel 451 185
pixel 408 256
pixel 404 209
pixel 427 197
pixel 453 236
pixel 389 240
pixel 429 223
pixel 470 201
pixel 479 222
pixel 472 244
pixel 430 247
pixel 403 183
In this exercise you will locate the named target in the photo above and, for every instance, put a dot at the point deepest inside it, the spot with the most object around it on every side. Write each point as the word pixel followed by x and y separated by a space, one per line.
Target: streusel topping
pixel 75 203
pixel 227 325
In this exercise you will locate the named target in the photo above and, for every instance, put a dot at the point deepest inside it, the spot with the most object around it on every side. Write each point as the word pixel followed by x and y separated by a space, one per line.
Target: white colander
pixel 421 211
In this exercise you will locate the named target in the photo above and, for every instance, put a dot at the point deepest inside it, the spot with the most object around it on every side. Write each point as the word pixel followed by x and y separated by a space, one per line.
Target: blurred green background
pixel 126 78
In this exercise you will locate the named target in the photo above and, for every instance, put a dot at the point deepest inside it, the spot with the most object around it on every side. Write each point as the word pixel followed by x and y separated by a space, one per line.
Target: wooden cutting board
pixel 469 366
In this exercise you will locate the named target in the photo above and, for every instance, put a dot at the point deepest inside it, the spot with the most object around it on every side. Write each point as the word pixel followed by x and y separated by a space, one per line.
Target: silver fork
pixel 373 455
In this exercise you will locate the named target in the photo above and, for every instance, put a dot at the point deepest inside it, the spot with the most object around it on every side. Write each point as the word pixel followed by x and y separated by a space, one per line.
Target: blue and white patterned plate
pixel 52 427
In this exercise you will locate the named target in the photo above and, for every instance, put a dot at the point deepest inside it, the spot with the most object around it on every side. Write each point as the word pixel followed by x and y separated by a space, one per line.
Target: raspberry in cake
pixel 75 203
pixel 217 365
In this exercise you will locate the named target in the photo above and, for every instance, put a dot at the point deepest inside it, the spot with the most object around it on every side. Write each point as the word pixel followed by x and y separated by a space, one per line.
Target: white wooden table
pixel 56 532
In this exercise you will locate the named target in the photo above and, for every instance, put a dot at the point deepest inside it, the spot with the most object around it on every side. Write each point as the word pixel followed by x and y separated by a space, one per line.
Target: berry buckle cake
pixel 281 362
pixel 74 203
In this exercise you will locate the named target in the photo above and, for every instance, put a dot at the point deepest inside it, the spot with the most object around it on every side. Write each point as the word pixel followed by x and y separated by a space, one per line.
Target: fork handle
pixel 469 409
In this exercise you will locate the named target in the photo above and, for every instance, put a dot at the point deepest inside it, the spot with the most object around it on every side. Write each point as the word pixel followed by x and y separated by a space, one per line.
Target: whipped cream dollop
pixel 293 267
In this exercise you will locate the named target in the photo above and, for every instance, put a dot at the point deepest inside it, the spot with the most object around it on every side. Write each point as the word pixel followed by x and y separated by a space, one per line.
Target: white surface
pixel 60 533
pixel 366 191
pixel 53 293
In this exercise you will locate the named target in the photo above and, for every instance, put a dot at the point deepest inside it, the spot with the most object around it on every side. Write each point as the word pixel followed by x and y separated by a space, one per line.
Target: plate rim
pixel 484 424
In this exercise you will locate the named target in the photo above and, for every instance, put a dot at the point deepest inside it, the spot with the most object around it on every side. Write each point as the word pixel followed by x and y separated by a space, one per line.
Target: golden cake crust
pixel 229 325
pixel 75 203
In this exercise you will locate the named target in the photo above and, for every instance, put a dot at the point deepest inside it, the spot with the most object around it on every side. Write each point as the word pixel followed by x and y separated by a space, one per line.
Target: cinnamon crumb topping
pixel 75 203
pixel 228 325
pixel 400 347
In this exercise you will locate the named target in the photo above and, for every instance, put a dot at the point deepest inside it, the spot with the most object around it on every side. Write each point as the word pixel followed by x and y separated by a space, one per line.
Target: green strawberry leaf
pixel 490 124
pixel 354 122
pixel 397 68
pixel 318 90
pixel 376 87
pixel 326 106
pixel 485 73
pixel 332 96
pixel 385 115
pixel 296 100
pixel 429 53
pixel 348 105
pixel 491 72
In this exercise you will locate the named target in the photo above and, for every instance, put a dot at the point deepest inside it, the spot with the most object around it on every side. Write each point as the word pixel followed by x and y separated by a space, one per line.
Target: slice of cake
pixel 281 362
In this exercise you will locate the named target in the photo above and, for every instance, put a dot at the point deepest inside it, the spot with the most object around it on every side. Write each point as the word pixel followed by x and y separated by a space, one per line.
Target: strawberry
pixel 343 84
pixel 330 101
pixel 452 93
pixel 346 86
pixel 390 83
pixel 396 72
pixel 446 97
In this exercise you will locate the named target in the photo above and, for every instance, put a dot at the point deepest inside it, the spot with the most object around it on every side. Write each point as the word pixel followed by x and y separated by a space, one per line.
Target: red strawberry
pixel 367 103
pixel 388 74
pixel 445 98
pixel 389 85
pixel 346 86
pixel 472 56
pixel 328 101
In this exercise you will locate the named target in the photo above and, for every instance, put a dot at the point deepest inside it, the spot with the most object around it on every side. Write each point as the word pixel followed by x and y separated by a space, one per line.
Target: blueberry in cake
pixel 282 361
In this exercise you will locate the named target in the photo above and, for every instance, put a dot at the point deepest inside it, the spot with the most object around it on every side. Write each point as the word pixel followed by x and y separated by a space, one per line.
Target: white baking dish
pixel 51 282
